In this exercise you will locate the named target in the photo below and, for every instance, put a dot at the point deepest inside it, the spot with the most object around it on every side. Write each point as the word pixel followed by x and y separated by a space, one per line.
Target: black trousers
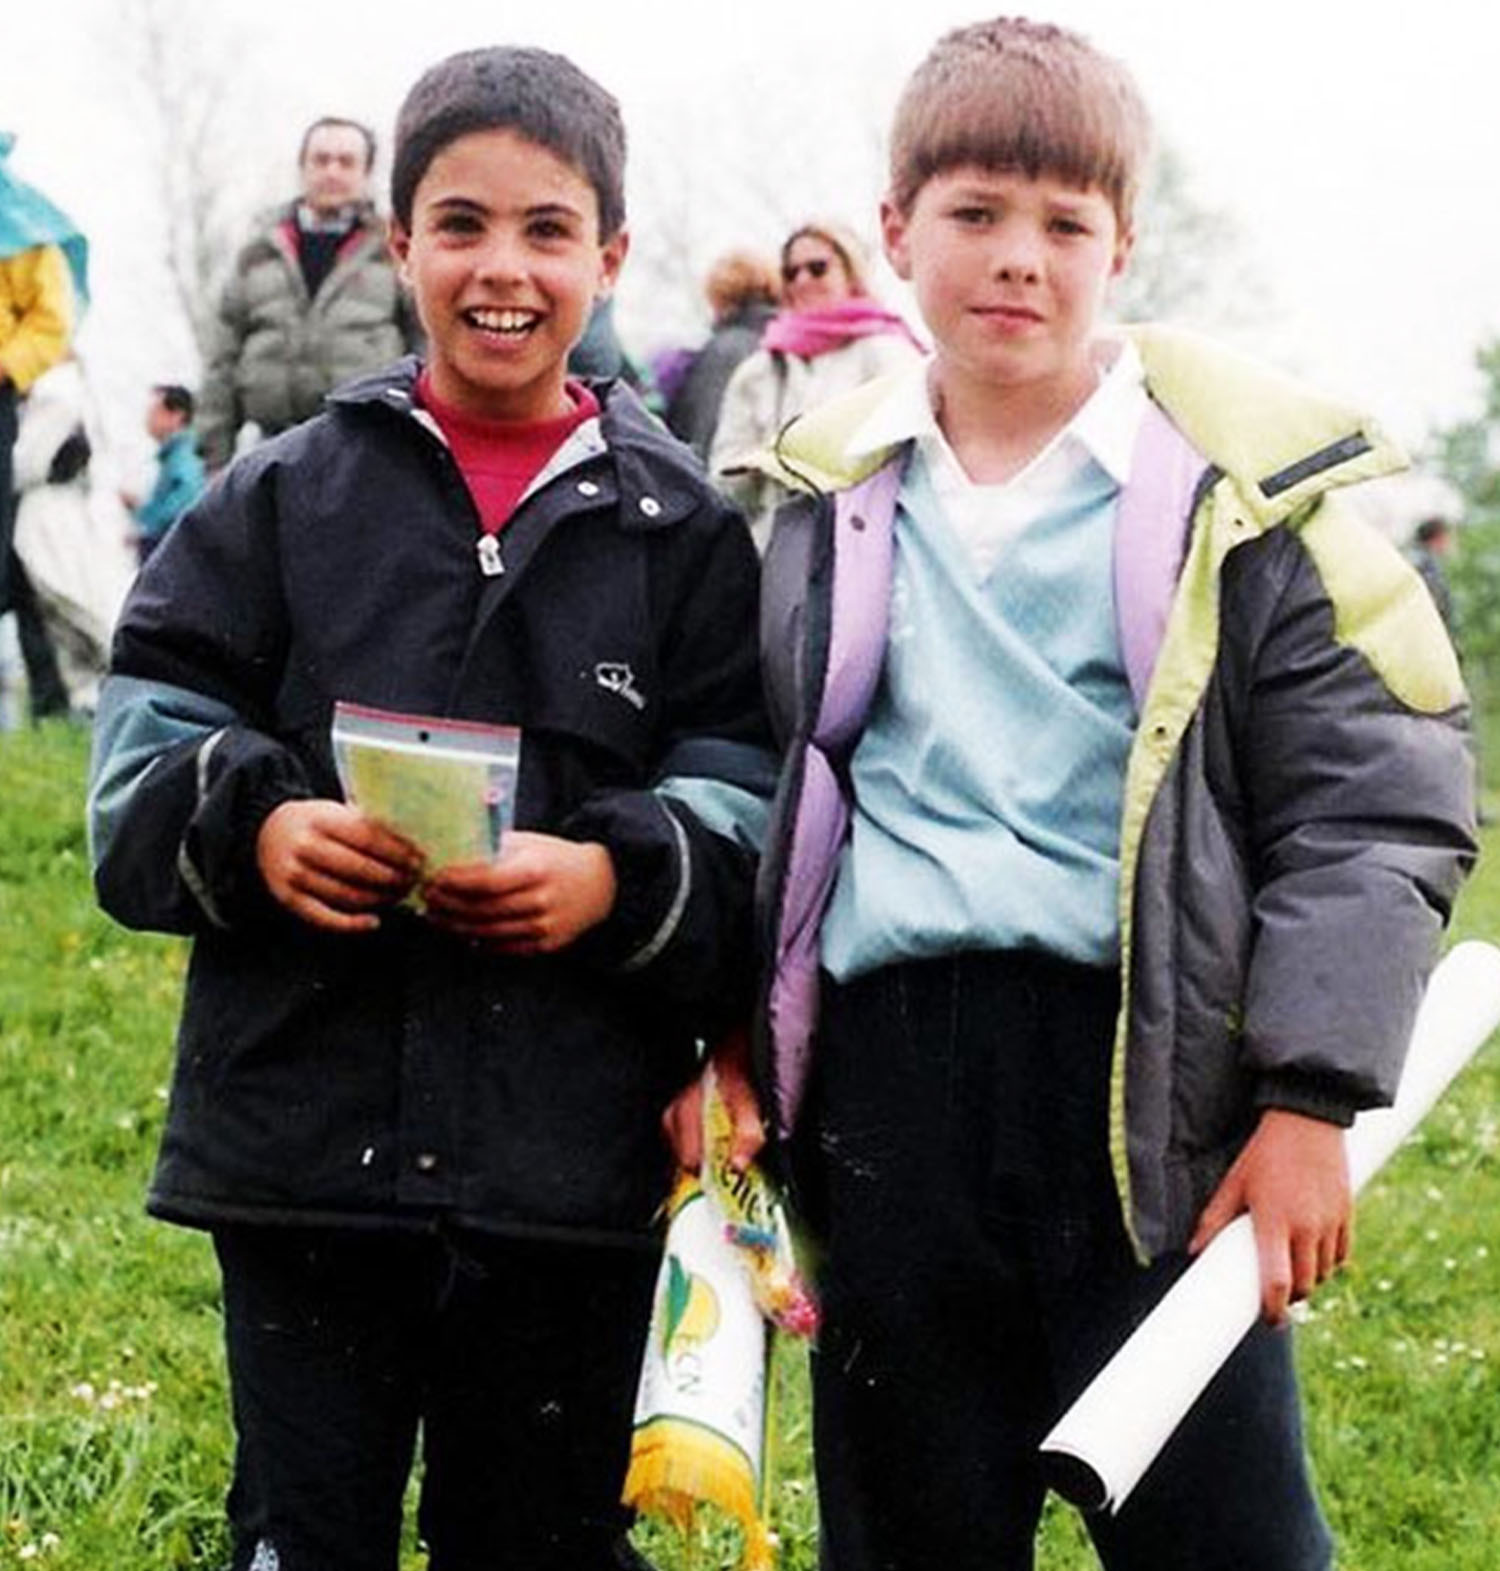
pixel 978 1274
pixel 517 1361
pixel 49 695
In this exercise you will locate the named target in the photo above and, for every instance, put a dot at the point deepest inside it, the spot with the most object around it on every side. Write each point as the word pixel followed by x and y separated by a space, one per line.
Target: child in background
pixel 1124 749
pixel 179 470
pixel 427 1145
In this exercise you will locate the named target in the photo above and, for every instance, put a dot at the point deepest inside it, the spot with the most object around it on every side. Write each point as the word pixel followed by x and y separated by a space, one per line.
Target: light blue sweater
pixel 989 781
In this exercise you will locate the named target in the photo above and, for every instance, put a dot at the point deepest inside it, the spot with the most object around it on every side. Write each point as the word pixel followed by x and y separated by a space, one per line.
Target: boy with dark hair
pixel 427 1143
pixel 179 470
pixel 175 400
pixel 1116 748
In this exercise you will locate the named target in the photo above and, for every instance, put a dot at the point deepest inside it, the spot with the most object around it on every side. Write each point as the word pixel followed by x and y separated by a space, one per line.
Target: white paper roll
pixel 1102 1445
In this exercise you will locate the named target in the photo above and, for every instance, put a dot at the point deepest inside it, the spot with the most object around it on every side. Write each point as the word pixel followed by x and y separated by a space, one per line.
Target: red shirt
pixel 500 458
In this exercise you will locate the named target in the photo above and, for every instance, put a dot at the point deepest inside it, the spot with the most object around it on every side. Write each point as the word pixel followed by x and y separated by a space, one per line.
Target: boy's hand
pixel 682 1123
pixel 540 895
pixel 1293 1179
pixel 332 866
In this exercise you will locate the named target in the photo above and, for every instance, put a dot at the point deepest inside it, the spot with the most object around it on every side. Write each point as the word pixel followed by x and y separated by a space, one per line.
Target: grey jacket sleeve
pixel 218 414
pixel 1358 783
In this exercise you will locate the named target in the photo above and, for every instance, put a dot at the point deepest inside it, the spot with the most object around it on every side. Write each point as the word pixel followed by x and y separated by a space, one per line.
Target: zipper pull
pixel 489 556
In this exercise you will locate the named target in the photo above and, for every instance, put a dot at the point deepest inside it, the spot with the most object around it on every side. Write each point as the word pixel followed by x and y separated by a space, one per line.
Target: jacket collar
pixel 1104 427
pixel 365 215
pixel 658 482
pixel 1280 443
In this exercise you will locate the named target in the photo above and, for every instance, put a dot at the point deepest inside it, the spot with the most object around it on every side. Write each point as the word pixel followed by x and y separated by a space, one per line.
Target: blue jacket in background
pixel 179 483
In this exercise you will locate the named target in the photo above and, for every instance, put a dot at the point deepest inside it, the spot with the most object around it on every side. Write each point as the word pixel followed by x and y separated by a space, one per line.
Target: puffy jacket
pixel 70 532
pixel 403 1075
pixel 36 313
pixel 1298 808
pixel 276 351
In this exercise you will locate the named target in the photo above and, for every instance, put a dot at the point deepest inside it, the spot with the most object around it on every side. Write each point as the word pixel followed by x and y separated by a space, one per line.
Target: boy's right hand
pixel 330 865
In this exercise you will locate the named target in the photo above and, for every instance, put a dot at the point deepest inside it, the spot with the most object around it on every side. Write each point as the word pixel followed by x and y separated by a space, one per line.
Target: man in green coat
pixel 313 299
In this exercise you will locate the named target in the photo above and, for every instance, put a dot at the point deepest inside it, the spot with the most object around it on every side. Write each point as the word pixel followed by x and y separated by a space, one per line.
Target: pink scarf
pixel 813 333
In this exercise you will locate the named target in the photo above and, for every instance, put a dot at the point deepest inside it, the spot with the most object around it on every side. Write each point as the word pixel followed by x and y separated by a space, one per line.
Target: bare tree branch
pixel 193 81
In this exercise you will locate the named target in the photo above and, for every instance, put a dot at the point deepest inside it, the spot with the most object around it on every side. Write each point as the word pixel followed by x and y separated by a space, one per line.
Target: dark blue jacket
pixel 404 1075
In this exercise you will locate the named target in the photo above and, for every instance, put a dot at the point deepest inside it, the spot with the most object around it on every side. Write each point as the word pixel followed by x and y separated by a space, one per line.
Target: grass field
pixel 113 1435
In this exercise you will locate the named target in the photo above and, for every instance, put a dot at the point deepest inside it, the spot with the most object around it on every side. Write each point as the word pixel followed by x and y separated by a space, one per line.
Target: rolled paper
pixel 1100 1448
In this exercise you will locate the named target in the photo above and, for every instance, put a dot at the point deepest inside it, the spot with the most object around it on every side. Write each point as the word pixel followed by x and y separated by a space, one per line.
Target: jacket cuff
pixel 1310 1095
pixel 652 861
pixel 243 777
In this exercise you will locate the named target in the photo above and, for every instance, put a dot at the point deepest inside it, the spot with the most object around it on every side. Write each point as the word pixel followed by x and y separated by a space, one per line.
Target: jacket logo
pixel 615 676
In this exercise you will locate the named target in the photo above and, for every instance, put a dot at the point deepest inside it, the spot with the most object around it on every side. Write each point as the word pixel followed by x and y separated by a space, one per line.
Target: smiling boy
pixel 505 249
pixel 1114 747
pixel 427 1144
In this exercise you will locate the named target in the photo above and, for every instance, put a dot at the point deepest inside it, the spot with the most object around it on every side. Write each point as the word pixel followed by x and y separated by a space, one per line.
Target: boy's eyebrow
pixel 554 210
pixel 465 204
pixel 468 204
pixel 979 188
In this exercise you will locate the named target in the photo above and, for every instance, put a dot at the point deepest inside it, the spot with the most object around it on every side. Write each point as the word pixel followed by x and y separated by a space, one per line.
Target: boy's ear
pixel 893 239
pixel 1124 245
pixel 612 255
pixel 398 243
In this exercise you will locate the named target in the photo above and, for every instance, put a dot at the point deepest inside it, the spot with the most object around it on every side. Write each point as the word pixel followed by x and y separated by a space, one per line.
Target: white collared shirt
pixel 987 516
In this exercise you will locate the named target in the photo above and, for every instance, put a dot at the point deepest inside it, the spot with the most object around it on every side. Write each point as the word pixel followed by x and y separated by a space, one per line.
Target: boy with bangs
pixel 426 1138
pixel 1115 747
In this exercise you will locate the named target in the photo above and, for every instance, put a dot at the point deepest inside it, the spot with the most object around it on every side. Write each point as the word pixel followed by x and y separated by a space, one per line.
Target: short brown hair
pixel 1019 95
pixel 741 278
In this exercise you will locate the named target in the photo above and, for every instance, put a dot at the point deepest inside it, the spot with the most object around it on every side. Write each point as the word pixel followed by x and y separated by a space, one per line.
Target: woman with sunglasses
pixel 830 336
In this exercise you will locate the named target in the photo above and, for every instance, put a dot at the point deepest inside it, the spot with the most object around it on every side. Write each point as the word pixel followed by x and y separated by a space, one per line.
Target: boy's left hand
pixel 541 894
pixel 1293 1179
pixel 682 1123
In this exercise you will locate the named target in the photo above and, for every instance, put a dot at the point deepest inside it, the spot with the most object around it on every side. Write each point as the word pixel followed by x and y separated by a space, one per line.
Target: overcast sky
pixel 1356 143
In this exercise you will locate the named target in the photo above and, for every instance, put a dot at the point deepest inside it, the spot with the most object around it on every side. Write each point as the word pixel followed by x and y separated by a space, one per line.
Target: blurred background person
pixel 313 299
pixel 71 532
pixel 743 290
pixel 1431 544
pixel 43 288
pixel 1430 550
pixel 829 337
pixel 599 353
pixel 179 469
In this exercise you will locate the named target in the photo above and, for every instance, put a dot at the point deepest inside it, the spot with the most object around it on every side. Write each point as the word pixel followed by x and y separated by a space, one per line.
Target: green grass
pixel 114 1440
